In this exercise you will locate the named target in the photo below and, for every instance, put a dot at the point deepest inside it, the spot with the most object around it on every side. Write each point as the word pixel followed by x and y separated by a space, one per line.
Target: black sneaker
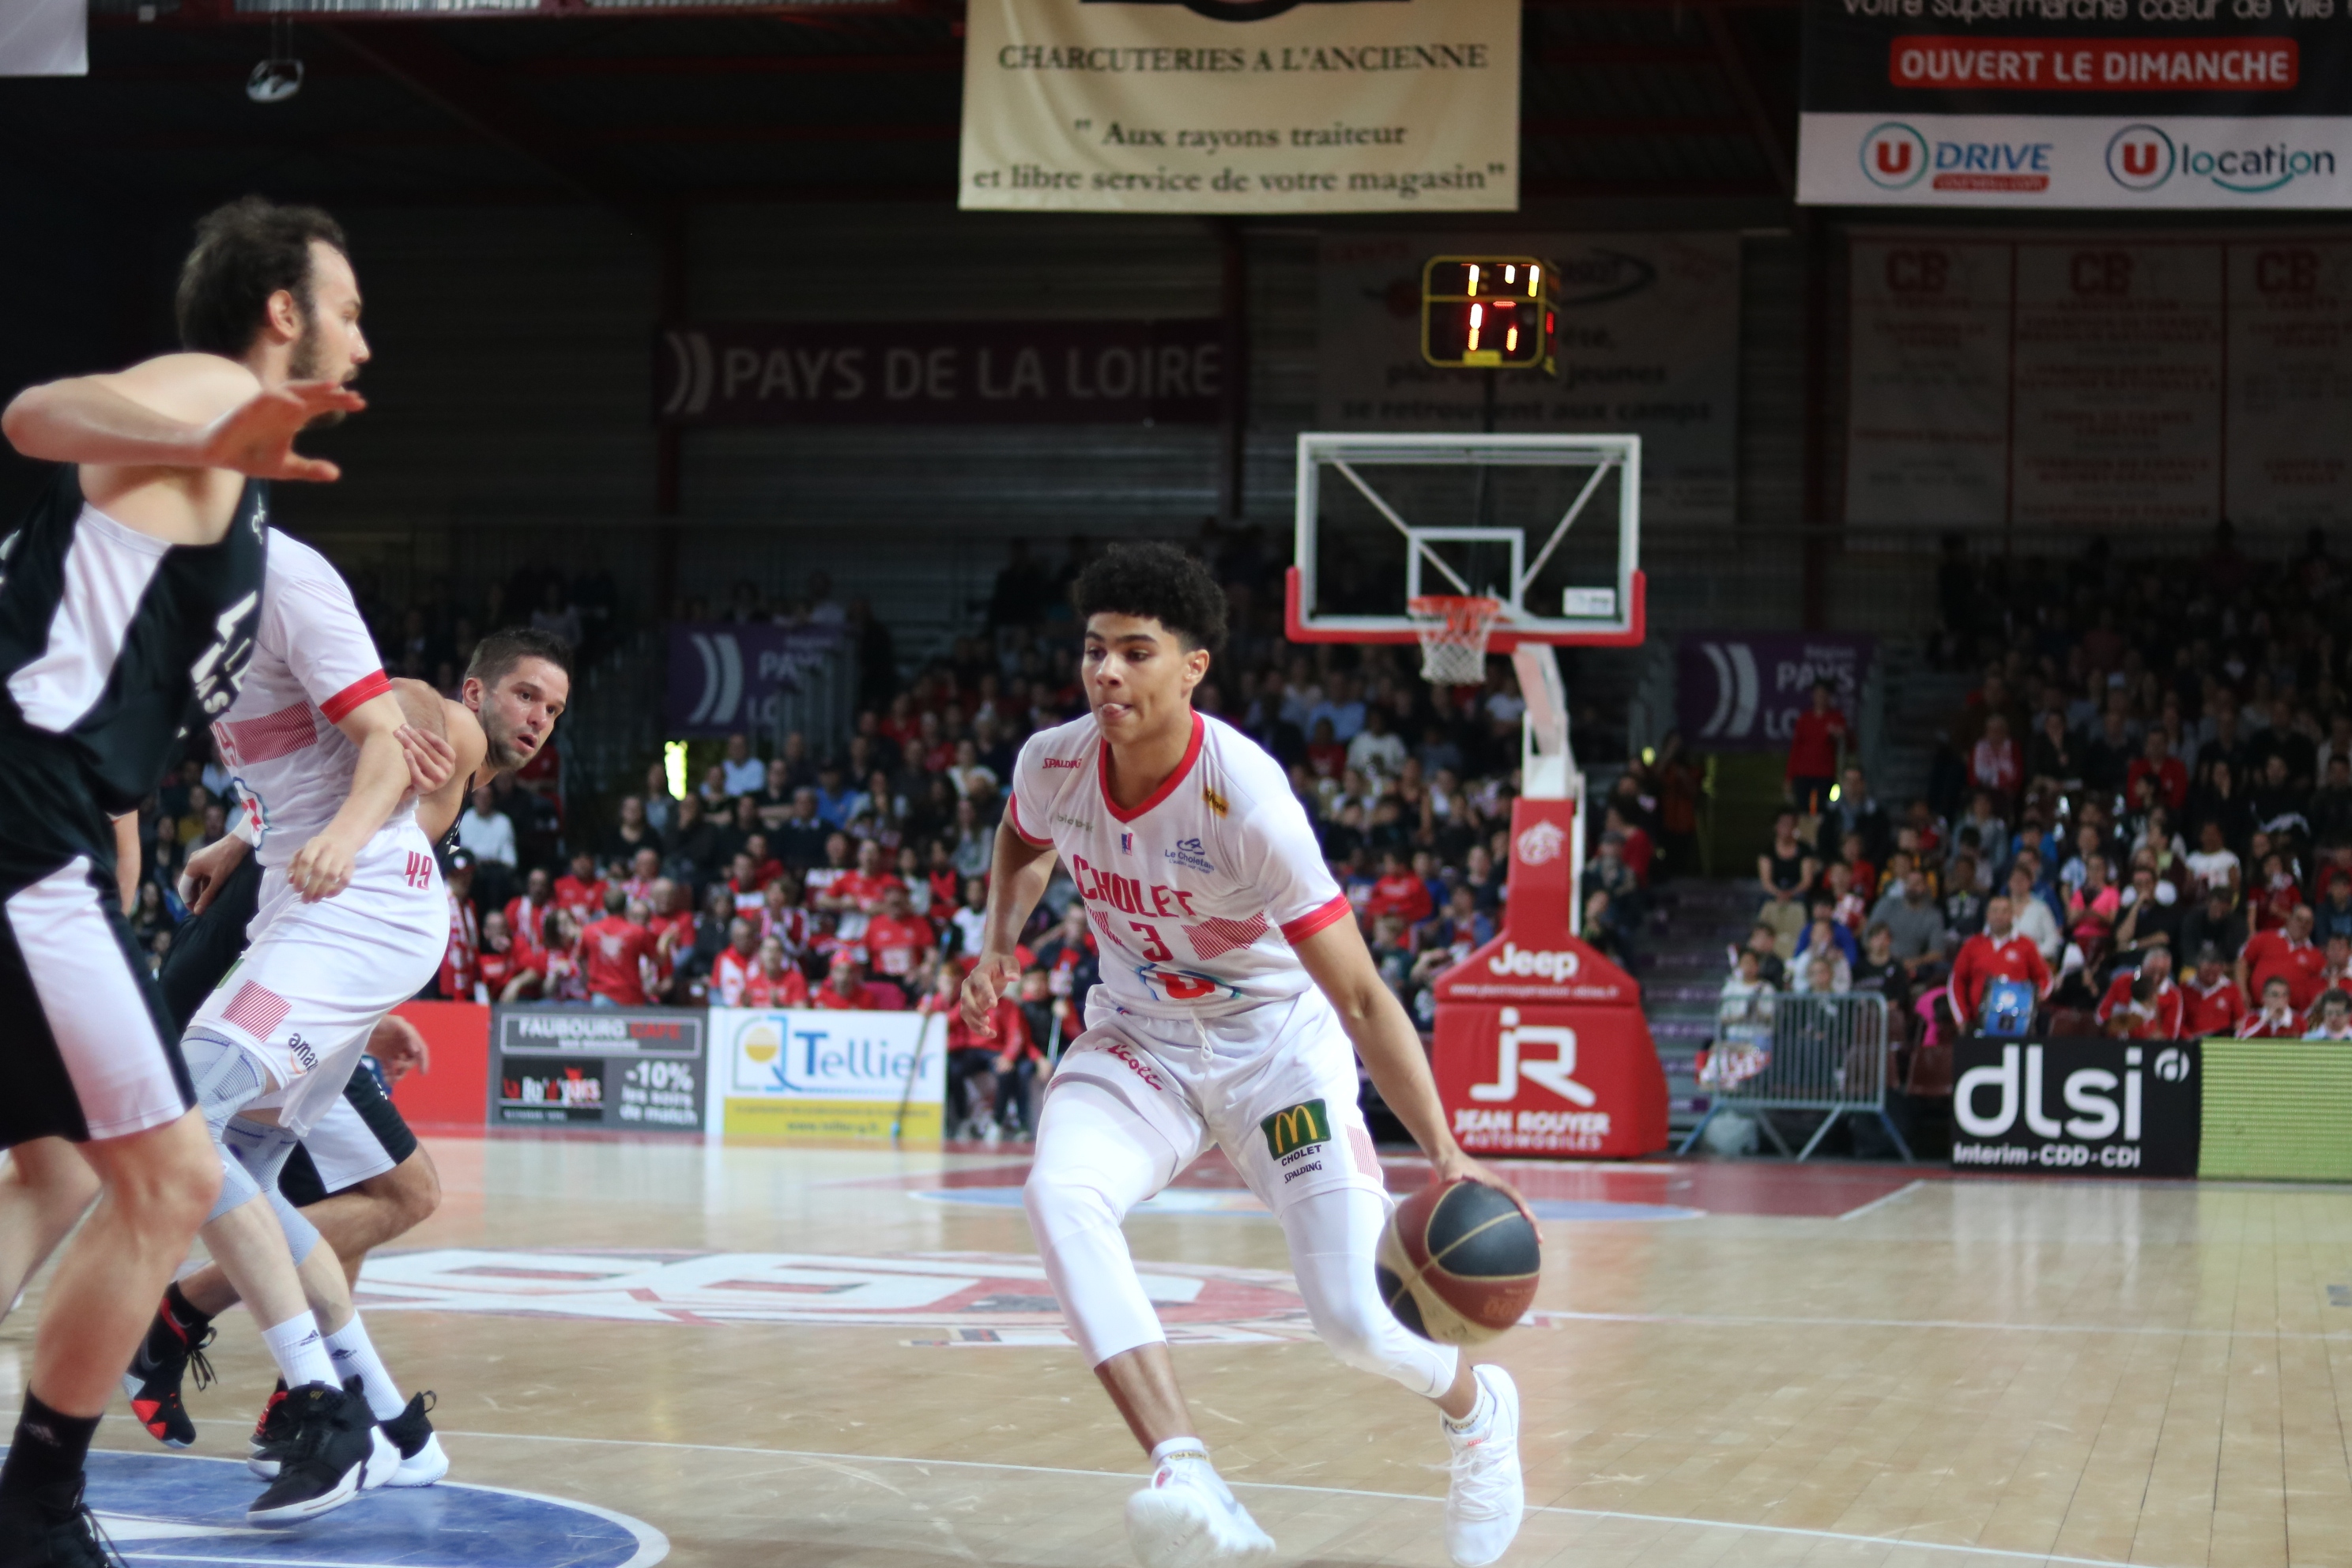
pixel 422 1462
pixel 53 1529
pixel 270 1434
pixel 324 1464
pixel 153 1381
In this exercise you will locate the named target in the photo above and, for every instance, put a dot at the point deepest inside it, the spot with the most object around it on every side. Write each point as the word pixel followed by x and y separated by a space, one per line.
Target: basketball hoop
pixel 1453 629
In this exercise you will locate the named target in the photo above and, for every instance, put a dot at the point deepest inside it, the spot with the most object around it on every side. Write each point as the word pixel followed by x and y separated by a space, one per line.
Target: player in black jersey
pixel 128 606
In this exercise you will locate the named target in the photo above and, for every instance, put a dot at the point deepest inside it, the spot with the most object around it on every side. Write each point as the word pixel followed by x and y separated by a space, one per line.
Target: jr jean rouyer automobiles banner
pixel 2137 104
pixel 1241 106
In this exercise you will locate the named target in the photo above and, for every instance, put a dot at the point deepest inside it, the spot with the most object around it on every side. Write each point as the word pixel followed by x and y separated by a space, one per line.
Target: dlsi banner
pixel 1260 106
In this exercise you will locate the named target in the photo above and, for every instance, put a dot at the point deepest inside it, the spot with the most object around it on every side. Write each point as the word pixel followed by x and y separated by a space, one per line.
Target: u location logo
pixel 1894 156
pixel 2140 157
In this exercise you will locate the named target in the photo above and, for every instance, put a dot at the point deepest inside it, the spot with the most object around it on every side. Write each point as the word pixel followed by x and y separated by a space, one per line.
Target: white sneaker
pixel 1187 1518
pixel 1484 1505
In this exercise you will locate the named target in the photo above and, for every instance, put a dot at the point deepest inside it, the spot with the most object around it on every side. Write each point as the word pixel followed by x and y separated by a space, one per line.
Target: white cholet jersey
pixel 1197 894
pixel 313 664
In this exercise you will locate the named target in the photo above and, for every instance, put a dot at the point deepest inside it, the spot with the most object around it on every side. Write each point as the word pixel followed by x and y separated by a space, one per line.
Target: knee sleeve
pixel 1334 1236
pixel 1092 1166
pixel 262 1149
pixel 225 1079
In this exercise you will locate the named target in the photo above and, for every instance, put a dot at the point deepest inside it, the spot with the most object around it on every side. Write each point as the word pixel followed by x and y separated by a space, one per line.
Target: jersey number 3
pixel 1179 987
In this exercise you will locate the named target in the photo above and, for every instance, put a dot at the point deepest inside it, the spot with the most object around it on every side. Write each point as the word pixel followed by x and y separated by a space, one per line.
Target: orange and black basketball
pixel 1458 1262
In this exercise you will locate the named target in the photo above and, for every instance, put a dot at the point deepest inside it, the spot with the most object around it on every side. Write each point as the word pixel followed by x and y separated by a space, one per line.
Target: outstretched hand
pixel 257 436
pixel 989 978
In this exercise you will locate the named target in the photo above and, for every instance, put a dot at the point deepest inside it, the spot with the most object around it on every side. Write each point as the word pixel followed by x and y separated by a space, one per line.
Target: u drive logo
pixel 1555 1074
pixel 2140 157
pixel 1894 156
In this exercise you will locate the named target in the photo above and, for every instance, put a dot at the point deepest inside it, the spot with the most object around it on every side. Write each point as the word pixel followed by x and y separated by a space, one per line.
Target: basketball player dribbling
pixel 1234 980
pixel 130 603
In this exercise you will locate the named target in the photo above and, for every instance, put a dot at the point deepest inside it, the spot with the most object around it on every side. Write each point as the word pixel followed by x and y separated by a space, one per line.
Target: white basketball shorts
pixel 1274 1087
pixel 316 978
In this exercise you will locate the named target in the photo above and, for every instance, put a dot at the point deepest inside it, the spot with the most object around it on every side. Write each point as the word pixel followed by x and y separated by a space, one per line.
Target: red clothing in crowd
pixel 2301 964
pixel 1402 894
pixel 869 998
pixel 728 971
pixel 2211 1011
pixel 2171 780
pixel 2287 1026
pixel 1997 765
pixel 524 920
pixel 865 892
pixel 1982 958
pixel 789 989
pixel 585 900
pixel 895 947
pixel 1012 1029
pixel 1813 744
pixel 460 965
pixel 494 970
pixel 2165 1008
pixel 614 950
pixel 1639 850
pixel 682 924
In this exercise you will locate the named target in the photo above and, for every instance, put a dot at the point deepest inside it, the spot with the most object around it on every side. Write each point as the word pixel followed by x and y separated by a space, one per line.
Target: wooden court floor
pixel 847 1357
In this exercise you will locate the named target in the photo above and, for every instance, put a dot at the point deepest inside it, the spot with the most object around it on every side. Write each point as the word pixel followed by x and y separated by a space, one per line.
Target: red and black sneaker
pixel 153 1381
pixel 271 1434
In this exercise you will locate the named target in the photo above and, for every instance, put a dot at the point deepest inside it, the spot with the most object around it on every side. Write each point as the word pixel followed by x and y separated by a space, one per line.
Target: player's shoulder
pixel 1240 775
pixel 300 568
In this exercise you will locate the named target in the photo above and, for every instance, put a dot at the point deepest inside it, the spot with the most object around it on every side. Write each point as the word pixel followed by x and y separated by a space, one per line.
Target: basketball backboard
pixel 1550 525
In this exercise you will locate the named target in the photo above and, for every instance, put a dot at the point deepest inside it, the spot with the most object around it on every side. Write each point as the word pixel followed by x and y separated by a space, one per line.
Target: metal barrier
pixel 1800 1053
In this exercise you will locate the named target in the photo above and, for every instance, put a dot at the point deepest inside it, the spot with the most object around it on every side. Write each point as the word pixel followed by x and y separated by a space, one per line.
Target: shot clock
pixel 1489 313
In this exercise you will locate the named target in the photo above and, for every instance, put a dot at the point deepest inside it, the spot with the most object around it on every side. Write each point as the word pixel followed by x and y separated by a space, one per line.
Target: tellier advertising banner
pixel 2097 103
pixel 725 676
pixel 1988 387
pixel 639 1068
pixel 942 372
pixel 2091 1108
pixel 1241 106
pixel 1741 691
pixel 1649 346
pixel 827 1074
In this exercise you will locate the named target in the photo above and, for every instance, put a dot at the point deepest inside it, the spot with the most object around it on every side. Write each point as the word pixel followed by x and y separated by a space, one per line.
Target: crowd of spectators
pixel 2138 823
pixel 852 874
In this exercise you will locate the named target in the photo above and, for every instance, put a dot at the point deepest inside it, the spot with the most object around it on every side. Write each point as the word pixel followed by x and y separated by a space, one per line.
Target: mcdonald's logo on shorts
pixel 1297 1127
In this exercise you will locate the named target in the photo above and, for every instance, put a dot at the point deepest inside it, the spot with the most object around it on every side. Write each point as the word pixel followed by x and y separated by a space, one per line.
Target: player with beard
pixel 130 606
pixel 359 1177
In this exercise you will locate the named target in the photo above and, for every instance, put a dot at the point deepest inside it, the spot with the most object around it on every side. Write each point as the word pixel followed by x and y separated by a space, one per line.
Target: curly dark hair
pixel 1160 581
pixel 244 252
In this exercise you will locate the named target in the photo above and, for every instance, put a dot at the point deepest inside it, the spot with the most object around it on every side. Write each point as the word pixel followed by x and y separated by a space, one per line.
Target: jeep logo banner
pixel 2093 1108
pixel 1241 106
pixel 2168 103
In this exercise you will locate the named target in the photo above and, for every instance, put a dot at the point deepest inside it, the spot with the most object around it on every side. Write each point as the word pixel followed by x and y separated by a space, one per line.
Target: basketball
pixel 1458 1263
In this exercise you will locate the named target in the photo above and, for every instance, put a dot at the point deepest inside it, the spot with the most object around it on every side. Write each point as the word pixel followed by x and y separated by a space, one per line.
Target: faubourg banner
pixel 1214 106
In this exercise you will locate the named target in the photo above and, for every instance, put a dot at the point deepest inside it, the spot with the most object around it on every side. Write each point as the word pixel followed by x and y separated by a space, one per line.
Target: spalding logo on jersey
pixel 220 670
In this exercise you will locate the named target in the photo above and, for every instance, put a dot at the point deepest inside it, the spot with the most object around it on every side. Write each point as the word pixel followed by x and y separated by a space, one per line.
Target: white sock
pixel 1180 1448
pixel 1481 1417
pixel 301 1354
pixel 354 1355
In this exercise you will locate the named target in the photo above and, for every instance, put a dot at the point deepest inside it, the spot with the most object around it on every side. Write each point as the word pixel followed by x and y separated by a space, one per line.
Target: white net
pixel 1454 629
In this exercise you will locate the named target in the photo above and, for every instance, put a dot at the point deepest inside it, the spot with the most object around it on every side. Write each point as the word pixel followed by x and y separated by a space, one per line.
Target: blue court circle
pixel 175 1509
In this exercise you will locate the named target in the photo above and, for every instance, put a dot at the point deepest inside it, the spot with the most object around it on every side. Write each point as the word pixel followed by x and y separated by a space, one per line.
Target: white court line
pixel 1541 1314
pixel 1902 1192
pixel 1131 1479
